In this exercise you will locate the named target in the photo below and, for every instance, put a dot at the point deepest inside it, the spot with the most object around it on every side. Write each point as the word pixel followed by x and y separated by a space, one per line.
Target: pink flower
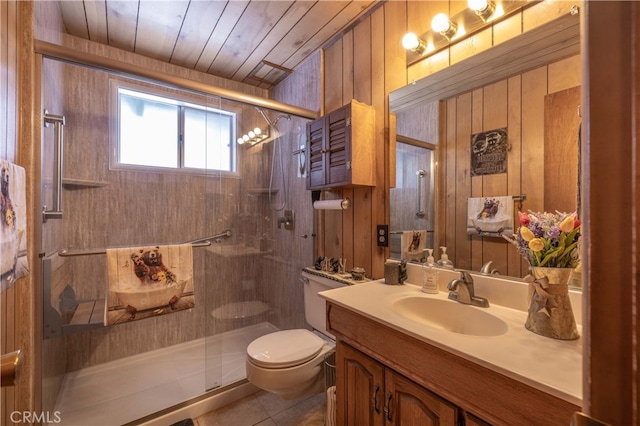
pixel 524 219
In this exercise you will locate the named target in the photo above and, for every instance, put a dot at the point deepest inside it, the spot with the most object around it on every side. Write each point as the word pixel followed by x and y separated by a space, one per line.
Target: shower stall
pixel 223 198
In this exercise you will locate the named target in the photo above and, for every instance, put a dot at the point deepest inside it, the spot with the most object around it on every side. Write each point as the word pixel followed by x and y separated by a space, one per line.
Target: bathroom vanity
pixel 398 366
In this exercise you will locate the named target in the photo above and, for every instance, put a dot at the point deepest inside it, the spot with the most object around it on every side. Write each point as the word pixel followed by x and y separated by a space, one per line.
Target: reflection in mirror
pixel 413 205
pixel 538 109
pixel 412 200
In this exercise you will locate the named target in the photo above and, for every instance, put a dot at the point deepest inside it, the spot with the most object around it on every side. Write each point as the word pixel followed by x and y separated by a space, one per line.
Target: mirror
pixel 534 99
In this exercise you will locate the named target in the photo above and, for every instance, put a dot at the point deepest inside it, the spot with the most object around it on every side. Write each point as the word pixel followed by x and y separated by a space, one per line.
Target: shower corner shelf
pixel 81 183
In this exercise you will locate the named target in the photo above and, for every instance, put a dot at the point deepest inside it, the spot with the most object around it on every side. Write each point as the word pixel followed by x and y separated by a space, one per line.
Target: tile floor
pixel 266 409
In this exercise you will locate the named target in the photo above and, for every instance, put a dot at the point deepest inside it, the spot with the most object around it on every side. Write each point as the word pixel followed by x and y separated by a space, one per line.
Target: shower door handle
pixel 58 166
pixel 420 208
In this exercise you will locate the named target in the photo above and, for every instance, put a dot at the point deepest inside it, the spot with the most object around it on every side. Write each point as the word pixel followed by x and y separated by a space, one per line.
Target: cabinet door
pixel 359 388
pixel 315 155
pixel 407 403
pixel 338 147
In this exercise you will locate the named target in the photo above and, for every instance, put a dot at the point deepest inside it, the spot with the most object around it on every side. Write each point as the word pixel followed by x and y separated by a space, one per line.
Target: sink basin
pixel 451 316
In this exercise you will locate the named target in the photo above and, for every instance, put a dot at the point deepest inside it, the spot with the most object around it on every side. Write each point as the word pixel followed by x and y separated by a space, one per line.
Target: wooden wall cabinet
pixel 342 148
pixel 375 362
pixel 371 394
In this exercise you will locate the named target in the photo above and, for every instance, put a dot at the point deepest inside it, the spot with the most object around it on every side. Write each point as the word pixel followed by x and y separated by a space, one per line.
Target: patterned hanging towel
pixel 414 244
pixel 490 216
pixel 147 281
pixel 13 225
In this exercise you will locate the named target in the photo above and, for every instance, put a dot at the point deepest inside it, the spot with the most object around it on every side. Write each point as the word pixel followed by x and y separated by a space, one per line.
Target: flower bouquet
pixel 549 242
pixel 548 239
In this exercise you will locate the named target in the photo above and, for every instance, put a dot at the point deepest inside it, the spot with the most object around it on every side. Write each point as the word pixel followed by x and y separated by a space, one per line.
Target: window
pixel 172 134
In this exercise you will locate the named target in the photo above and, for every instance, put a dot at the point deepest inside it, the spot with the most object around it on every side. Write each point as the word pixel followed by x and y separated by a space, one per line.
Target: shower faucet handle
pixel 287 219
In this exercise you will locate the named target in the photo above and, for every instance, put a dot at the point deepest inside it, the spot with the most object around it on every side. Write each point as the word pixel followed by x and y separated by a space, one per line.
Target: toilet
pixel 290 362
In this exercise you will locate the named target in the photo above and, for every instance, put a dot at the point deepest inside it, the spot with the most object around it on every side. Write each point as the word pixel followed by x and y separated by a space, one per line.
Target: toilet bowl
pixel 290 362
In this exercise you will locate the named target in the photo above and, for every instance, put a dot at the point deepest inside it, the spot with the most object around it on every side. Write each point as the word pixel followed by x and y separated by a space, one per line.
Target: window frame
pixel 183 100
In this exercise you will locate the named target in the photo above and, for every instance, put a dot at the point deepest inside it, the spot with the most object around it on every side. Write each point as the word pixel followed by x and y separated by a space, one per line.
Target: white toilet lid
pixel 283 349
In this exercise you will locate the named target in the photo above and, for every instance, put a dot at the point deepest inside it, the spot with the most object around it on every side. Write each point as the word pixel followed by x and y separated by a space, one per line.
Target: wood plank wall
pixel 16 30
pixel 8 151
pixel 365 64
pixel 517 103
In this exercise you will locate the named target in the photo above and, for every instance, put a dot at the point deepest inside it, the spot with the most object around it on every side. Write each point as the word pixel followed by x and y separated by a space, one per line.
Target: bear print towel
pixel 148 281
pixel 13 224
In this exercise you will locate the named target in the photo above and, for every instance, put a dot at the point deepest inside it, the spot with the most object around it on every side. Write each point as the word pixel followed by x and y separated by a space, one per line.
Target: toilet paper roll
pixel 331 204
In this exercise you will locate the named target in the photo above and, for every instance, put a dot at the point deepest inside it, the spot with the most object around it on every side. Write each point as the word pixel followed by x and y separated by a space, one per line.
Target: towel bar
pixel 202 242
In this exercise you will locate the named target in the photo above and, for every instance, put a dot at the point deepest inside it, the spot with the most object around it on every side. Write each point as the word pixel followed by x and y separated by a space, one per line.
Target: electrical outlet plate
pixel 382 235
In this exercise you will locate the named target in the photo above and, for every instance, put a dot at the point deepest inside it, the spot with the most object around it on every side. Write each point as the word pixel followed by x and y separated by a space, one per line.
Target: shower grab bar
pixel 202 242
pixel 420 208
pixel 58 158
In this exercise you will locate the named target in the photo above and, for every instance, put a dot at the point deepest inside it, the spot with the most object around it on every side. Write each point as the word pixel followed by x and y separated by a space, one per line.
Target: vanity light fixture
pixel 412 42
pixel 254 136
pixel 483 8
pixel 443 25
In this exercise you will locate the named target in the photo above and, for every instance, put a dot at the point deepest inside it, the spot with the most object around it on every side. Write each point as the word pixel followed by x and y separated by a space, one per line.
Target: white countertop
pixel 550 365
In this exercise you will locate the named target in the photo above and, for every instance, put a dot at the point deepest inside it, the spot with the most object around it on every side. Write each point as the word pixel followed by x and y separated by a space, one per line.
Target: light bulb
pixel 410 41
pixel 245 138
pixel 257 130
pixel 440 23
pixel 240 141
pixel 483 8
pixel 444 26
pixel 477 5
pixel 251 134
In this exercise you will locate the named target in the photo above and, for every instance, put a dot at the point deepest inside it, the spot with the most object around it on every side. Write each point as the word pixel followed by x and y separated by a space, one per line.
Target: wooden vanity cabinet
pixel 342 148
pixel 371 394
pixel 425 383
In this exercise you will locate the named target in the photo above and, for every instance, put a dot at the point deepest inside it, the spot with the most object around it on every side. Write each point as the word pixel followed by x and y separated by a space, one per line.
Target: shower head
pixel 272 123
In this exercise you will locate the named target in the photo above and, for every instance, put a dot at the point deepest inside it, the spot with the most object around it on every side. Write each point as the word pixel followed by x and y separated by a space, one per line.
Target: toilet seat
pixel 284 349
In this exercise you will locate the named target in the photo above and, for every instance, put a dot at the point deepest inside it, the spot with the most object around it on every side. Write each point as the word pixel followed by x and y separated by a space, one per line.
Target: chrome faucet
pixel 488 268
pixel 461 290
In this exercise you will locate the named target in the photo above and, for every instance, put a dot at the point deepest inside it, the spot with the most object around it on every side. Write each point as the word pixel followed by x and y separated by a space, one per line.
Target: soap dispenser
pixel 429 275
pixel 444 261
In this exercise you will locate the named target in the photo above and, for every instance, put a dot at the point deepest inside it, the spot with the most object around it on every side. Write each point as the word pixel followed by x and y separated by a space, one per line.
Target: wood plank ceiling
pixel 257 42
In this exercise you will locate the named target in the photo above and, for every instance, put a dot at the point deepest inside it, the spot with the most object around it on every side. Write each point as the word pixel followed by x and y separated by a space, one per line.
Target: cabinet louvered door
pixel 315 157
pixel 342 148
pixel 408 404
pixel 338 147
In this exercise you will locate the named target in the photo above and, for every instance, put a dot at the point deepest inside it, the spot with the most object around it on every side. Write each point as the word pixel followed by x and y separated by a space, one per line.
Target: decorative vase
pixel 550 312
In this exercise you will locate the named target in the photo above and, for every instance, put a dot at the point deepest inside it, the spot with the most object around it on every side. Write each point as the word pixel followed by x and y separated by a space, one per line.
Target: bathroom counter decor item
pixel 550 312
pixel 548 239
pixel 549 242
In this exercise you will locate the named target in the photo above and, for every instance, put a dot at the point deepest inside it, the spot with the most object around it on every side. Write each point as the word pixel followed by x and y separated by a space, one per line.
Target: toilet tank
pixel 314 305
